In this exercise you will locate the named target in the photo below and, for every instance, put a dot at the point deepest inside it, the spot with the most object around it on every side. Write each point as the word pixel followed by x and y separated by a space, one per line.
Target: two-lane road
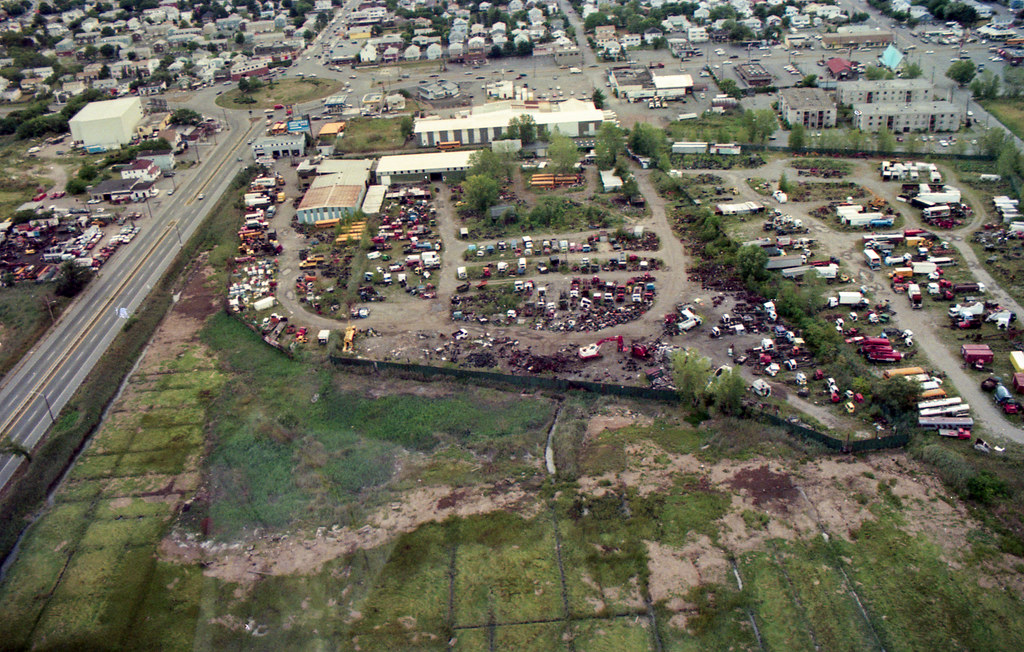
pixel 50 374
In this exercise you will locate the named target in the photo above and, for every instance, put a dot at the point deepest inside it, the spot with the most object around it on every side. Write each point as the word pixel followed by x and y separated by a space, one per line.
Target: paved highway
pixel 53 370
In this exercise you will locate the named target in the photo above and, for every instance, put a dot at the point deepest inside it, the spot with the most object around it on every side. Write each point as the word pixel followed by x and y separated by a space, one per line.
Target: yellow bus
pixel 449 145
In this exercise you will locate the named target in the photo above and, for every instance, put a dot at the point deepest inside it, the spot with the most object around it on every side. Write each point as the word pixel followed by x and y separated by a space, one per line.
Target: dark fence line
pixel 532 382
pixel 855 446
pixel 608 389
pixel 854 153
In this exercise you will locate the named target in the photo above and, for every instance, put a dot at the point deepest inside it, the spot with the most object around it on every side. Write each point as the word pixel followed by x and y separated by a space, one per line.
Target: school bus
pixel 449 145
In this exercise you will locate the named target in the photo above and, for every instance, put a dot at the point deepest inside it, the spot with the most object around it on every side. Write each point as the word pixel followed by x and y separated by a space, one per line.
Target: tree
pixel 985 87
pixel 488 163
pixel 523 128
pixel 406 126
pixel 609 144
pixel 239 38
pixel 991 142
pixel 598 98
pixel 10 447
pixel 962 72
pixel 481 192
pixel 690 370
pixel 563 153
pixel 912 71
pixel 728 391
pixel 72 279
pixel 784 184
pixel 875 73
pixel 243 84
pixel 647 140
pixel 810 81
pixel 855 139
pixel 897 394
pixel 730 88
pixel 87 172
pixel 594 20
pixel 885 141
pixel 797 137
pixel 750 262
pixel 630 188
pixel 1013 80
pixel 760 124
pixel 76 186
pixel 186 117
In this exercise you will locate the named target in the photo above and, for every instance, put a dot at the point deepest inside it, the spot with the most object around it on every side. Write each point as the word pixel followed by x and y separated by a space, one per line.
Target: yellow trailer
pixel 904 371
pixel 1017 360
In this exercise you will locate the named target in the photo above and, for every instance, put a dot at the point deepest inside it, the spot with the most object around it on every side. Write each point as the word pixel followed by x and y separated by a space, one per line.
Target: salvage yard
pixel 250 496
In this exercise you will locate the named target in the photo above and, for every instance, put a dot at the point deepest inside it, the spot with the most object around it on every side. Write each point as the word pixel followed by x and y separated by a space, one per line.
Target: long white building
pixel 574 118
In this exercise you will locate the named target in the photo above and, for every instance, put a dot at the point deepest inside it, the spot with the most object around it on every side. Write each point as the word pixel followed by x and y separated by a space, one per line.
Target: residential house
pixel 143 169
pixel 630 41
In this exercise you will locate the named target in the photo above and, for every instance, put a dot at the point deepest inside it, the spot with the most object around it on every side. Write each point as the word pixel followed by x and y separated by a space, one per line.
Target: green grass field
pixel 89 563
pixel 371 135
pixel 1009 112
pixel 284 91
pixel 24 318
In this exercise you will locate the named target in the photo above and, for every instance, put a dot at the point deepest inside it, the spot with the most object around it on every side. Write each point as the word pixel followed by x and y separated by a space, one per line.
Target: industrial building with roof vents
pixel 336 195
pixel 574 118
pixel 108 124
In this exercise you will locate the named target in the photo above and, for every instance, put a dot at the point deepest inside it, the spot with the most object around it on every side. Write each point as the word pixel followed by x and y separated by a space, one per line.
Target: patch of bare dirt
pixel 650 469
pixel 739 538
pixel 765 486
pixel 619 418
pixel 196 302
pixel 673 574
pixel 286 555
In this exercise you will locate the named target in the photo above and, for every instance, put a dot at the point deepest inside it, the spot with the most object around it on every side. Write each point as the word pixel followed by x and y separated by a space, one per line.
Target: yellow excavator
pixel 350 337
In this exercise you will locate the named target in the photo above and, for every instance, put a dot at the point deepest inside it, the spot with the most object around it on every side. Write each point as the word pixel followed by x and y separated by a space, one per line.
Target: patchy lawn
pixel 285 91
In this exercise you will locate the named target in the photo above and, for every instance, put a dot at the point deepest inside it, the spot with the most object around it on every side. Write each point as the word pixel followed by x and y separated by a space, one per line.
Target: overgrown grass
pixel 89 558
pixel 24 318
pixel 923 604
pixel 280 457
pixel 1009 112
pixel 371 135
pixel 284 91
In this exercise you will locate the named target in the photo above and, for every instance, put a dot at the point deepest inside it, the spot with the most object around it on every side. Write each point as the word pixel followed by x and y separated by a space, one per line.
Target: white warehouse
pixel 109 124
pixel 574 118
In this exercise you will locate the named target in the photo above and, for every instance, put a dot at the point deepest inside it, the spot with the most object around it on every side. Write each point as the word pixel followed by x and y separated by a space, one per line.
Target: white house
pixel 697 35
pixel 141 169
